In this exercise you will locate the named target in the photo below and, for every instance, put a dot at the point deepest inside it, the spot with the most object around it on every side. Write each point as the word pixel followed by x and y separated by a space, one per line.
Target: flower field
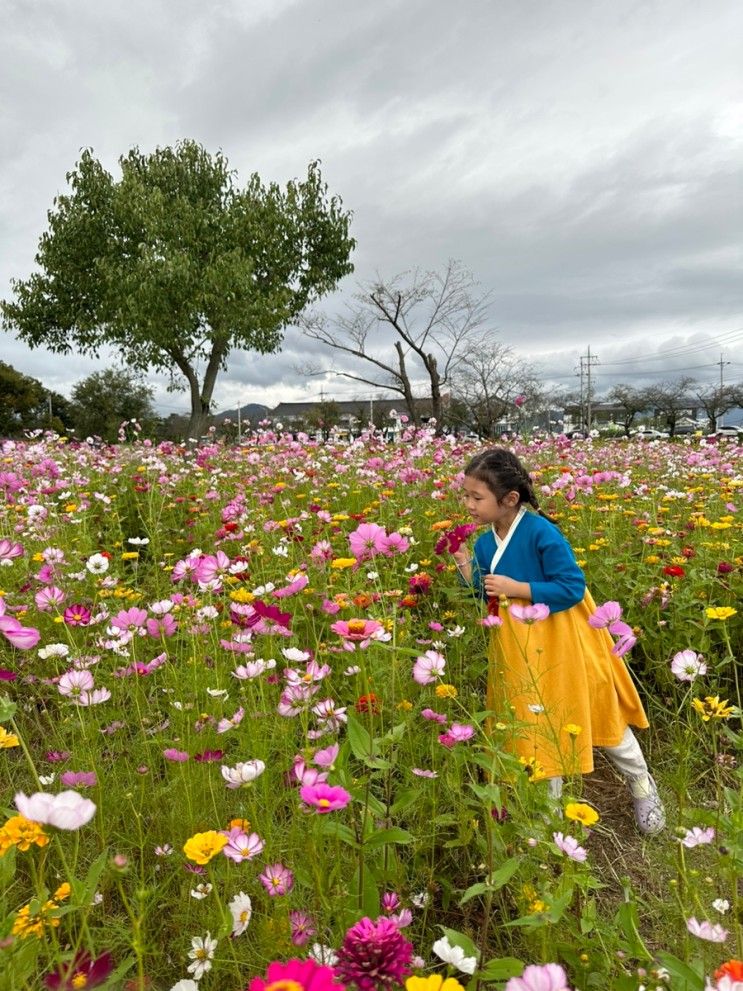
pixel 243 731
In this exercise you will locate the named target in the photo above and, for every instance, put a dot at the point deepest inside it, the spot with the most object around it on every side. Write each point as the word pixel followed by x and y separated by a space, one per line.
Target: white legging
pixel 626 757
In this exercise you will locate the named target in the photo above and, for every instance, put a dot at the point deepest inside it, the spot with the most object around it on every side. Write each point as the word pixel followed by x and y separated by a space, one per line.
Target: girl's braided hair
pixel 502 472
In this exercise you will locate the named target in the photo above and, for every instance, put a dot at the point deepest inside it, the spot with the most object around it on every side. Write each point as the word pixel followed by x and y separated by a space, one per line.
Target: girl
pixel 566 688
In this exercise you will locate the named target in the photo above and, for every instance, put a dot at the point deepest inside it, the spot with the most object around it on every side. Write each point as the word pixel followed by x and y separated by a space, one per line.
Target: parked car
pixel 733 432
pixel 650 434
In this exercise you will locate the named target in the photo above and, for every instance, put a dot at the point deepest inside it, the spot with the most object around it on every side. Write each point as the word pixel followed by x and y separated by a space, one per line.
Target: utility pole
pixel 587 361
pixel 49 406
pixel 371 410
pixel 722 364
pixel 239 424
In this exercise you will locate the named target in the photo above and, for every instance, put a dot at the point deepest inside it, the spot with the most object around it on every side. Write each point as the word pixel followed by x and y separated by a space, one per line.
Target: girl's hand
pixel 461 557
pixel 497 585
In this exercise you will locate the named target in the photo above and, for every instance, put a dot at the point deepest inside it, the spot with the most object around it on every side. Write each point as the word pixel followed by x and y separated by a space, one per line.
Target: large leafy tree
pixel 175 266
pixel 103 400
pixel 25 404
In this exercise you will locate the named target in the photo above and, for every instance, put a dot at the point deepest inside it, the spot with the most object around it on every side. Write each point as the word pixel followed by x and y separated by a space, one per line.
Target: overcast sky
pixel 581 157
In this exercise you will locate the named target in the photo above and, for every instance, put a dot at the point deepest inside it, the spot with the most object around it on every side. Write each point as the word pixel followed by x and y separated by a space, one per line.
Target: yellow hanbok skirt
pixel 549 677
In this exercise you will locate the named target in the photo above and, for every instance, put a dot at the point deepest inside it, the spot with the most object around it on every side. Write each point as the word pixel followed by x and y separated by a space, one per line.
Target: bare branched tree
pixel 671 399
pixel 433 317
pixel 487 380
pixel 717 400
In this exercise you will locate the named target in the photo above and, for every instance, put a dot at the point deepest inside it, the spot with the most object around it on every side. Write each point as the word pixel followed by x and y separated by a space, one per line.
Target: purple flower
pixel 540 977
pixel 374 955
pixel 77 615
pixel 277 879
pixel 390 902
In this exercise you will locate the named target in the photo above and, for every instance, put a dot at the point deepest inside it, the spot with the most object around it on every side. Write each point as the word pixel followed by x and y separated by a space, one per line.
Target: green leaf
pixel 501 968
pixel 7 709
pixel 392 835
pixel 360 741
pixel 504 873
pixel 336 830
pixel 404 800
pixel 628 921
pixel 473 891
pixel 692 980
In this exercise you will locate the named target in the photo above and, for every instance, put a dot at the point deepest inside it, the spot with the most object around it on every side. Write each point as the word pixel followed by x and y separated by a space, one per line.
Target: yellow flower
pixel 130 555
pixel 572 729
pixel 712 708
pixel 537 906
pixel 533 768
pixel 446 692
pixel 434 982
pixel 721 612
pixel 7 740
pixel 652 559
pixel 579 812
pixel 242 595
pixel 243 824
pixel 405 705
pixel 201 847
pixel 22 833
pixel 343 562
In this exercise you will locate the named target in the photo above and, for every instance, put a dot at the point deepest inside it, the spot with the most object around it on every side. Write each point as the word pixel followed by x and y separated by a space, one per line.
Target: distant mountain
pixel 251 411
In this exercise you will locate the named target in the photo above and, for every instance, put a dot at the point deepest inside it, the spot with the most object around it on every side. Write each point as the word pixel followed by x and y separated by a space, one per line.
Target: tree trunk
pixel 406 390
pixel 436 402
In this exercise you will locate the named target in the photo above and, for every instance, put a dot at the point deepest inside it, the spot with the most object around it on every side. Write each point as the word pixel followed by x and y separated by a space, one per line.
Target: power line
pixel 683 349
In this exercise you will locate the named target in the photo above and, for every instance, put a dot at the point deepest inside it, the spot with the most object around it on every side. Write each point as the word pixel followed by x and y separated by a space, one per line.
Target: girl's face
pixel 484 506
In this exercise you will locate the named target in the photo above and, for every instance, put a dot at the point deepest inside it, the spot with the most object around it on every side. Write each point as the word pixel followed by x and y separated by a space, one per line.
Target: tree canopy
pixel 175 266
pixel 25 404
pixel 103 400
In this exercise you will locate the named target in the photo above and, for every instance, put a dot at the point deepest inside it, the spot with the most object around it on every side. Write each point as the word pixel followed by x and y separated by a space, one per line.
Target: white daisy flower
pixel 202 954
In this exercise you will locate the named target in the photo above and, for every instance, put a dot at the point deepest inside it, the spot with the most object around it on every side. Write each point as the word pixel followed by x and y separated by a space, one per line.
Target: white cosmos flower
pixel 242 773
pixel 201 891
pixel 241 909
pixel 323 955
pixel 217 693
pixel 185 985
pixel 54 650
pixel 97 564
pixel 202 954
pixel 138 541
pixel 454 955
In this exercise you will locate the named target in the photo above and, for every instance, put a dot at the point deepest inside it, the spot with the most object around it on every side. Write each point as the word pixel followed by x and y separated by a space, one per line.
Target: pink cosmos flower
pixel 608 613
pixel 361 631
pixel 48 597
pixel 457 733
pixel 395 543
pixel 374 955
pixel 21 637
pixel 570 847
pixel 307 975
pixel 324 797
pixel 428 667
pixel 10 549
pixel 330 607
pixel 433 716
pixel 241 845
pixel 300 582
pixel 490 620
pixel 79 779
pixel 176 756
pixel 540 977
pixel 529 614
pixel 698 837
pixel 73 683
pixel 277 880
pixel 326 757
pixel 164 626
pixel 421 772
pixel 224 725
pixel 627 638
pixel 687 665
pixel 711 932
pixel 67 810
pixel 367 540
pixel 129 619
pixel 302 927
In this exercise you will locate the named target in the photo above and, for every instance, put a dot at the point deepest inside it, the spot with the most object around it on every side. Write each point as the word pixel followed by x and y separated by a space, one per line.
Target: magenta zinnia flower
pixel 305 974
pixel 374 955
pixel 324 797
pixel 77 615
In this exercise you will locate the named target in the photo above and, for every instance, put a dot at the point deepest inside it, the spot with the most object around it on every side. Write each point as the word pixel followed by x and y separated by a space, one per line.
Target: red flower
pixel 732 969
pixel 724 568
pixel 674 571
pixel 82 972
pixel 368 703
